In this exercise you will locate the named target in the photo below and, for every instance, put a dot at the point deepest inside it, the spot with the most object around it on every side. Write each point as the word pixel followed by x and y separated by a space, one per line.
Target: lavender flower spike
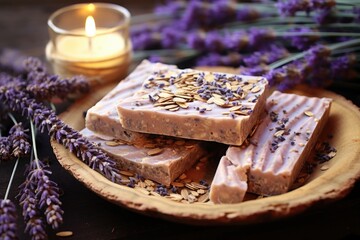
pixel 20 141
pixel 7 220
pixel 46 119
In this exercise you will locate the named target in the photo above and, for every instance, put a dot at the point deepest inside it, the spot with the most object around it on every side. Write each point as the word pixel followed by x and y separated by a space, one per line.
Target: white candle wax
pixel 102 46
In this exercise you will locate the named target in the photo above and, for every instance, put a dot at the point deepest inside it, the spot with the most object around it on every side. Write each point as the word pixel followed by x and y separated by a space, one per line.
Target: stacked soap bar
pixel 196 105
pixel 103 118
pixel 276 151
pixel 154 157
pixel 160 159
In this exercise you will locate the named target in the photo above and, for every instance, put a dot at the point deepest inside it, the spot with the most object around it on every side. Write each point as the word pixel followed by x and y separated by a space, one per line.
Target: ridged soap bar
pixel 280 145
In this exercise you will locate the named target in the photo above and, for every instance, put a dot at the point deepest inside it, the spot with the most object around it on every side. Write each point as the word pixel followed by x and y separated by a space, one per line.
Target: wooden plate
pixel 322 186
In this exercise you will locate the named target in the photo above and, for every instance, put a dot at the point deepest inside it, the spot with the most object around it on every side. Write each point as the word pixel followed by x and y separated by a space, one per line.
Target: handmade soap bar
pixel 280 145
pixel 196 105
pixel 103 118
pixel 160 159
pixel 230 182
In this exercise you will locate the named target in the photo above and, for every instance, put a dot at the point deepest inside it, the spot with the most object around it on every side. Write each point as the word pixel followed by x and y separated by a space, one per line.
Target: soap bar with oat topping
pixel 160 159
pixel 198 105
pixel 103 118
pixel 280 145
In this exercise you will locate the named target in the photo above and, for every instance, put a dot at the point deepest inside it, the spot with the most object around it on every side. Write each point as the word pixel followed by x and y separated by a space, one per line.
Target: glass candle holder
pixel 90 40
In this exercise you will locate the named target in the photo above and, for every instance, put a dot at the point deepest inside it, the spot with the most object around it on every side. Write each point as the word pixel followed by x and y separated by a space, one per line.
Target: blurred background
pixel 23 23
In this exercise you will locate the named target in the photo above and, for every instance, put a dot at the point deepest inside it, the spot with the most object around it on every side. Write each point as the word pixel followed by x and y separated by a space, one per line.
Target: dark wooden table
pixel 88 216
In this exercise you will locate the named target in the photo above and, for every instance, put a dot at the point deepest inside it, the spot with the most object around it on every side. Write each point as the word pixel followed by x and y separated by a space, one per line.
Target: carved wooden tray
pixel 328 182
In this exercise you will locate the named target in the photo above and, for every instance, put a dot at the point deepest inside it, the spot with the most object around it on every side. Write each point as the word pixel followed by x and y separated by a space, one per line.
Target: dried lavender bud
pixel 52 85
pixel 171 36
pixel 302 42
pixel 290 7
pixel 270 55
pixel 325 16
pixel 147 37
pixel 5 149
pixel 214 59
pixel 341 66
pixel 170 8
pixel 7 220
pixel 287 76
pixel 47 193
pixel 260 36
pixel 196 40
pixel 247 14
pixel 39 194
pixel 35 225
pixel 20 141
pixel 35 69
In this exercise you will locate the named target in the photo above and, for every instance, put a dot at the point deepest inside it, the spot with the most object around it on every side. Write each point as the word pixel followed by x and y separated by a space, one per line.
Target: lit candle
pixel 92 44
pixel 91 40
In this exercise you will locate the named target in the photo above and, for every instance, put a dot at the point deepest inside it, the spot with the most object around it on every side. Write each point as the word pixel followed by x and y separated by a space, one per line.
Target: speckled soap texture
pixel 278 148
pixel 197 105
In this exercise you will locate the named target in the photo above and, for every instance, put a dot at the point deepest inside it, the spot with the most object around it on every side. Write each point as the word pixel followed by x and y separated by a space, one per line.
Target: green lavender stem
pixel 36 159
pixel 11 179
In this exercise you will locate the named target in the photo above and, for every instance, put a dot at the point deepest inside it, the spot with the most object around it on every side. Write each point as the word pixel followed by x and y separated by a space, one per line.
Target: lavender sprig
pixel 7 220
pixel 46 119
pixel 5 149
pixel 29 74
pixel 19 140
pixel 39 194
pixel 8 214
pixel 16 144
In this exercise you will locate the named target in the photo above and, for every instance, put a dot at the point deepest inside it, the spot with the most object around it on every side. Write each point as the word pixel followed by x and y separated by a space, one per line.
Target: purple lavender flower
pixel 196 40
pixel 7 220
pixel 267 56
pixel 171 36
pixel 237 40
pixel 341 67
pixel 5 149
pixel 52 85
pixel 302 42
pixel 322 4
pixel 46 119
pixel 170 8
pixel 325 16
pixel 290 7
pixel 34 223
pixel 221 11
pixel 260 36
pixel 258 70
pixel 214 42
pixel 193 14
pixel 39 193
pixel 48 195
pixel 214 59
pixel 317 55
pixel 285 77
pixel 19 140
pixel 247 14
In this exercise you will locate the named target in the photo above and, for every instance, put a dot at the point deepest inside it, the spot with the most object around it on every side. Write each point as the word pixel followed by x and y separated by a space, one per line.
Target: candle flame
pixel 90 27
